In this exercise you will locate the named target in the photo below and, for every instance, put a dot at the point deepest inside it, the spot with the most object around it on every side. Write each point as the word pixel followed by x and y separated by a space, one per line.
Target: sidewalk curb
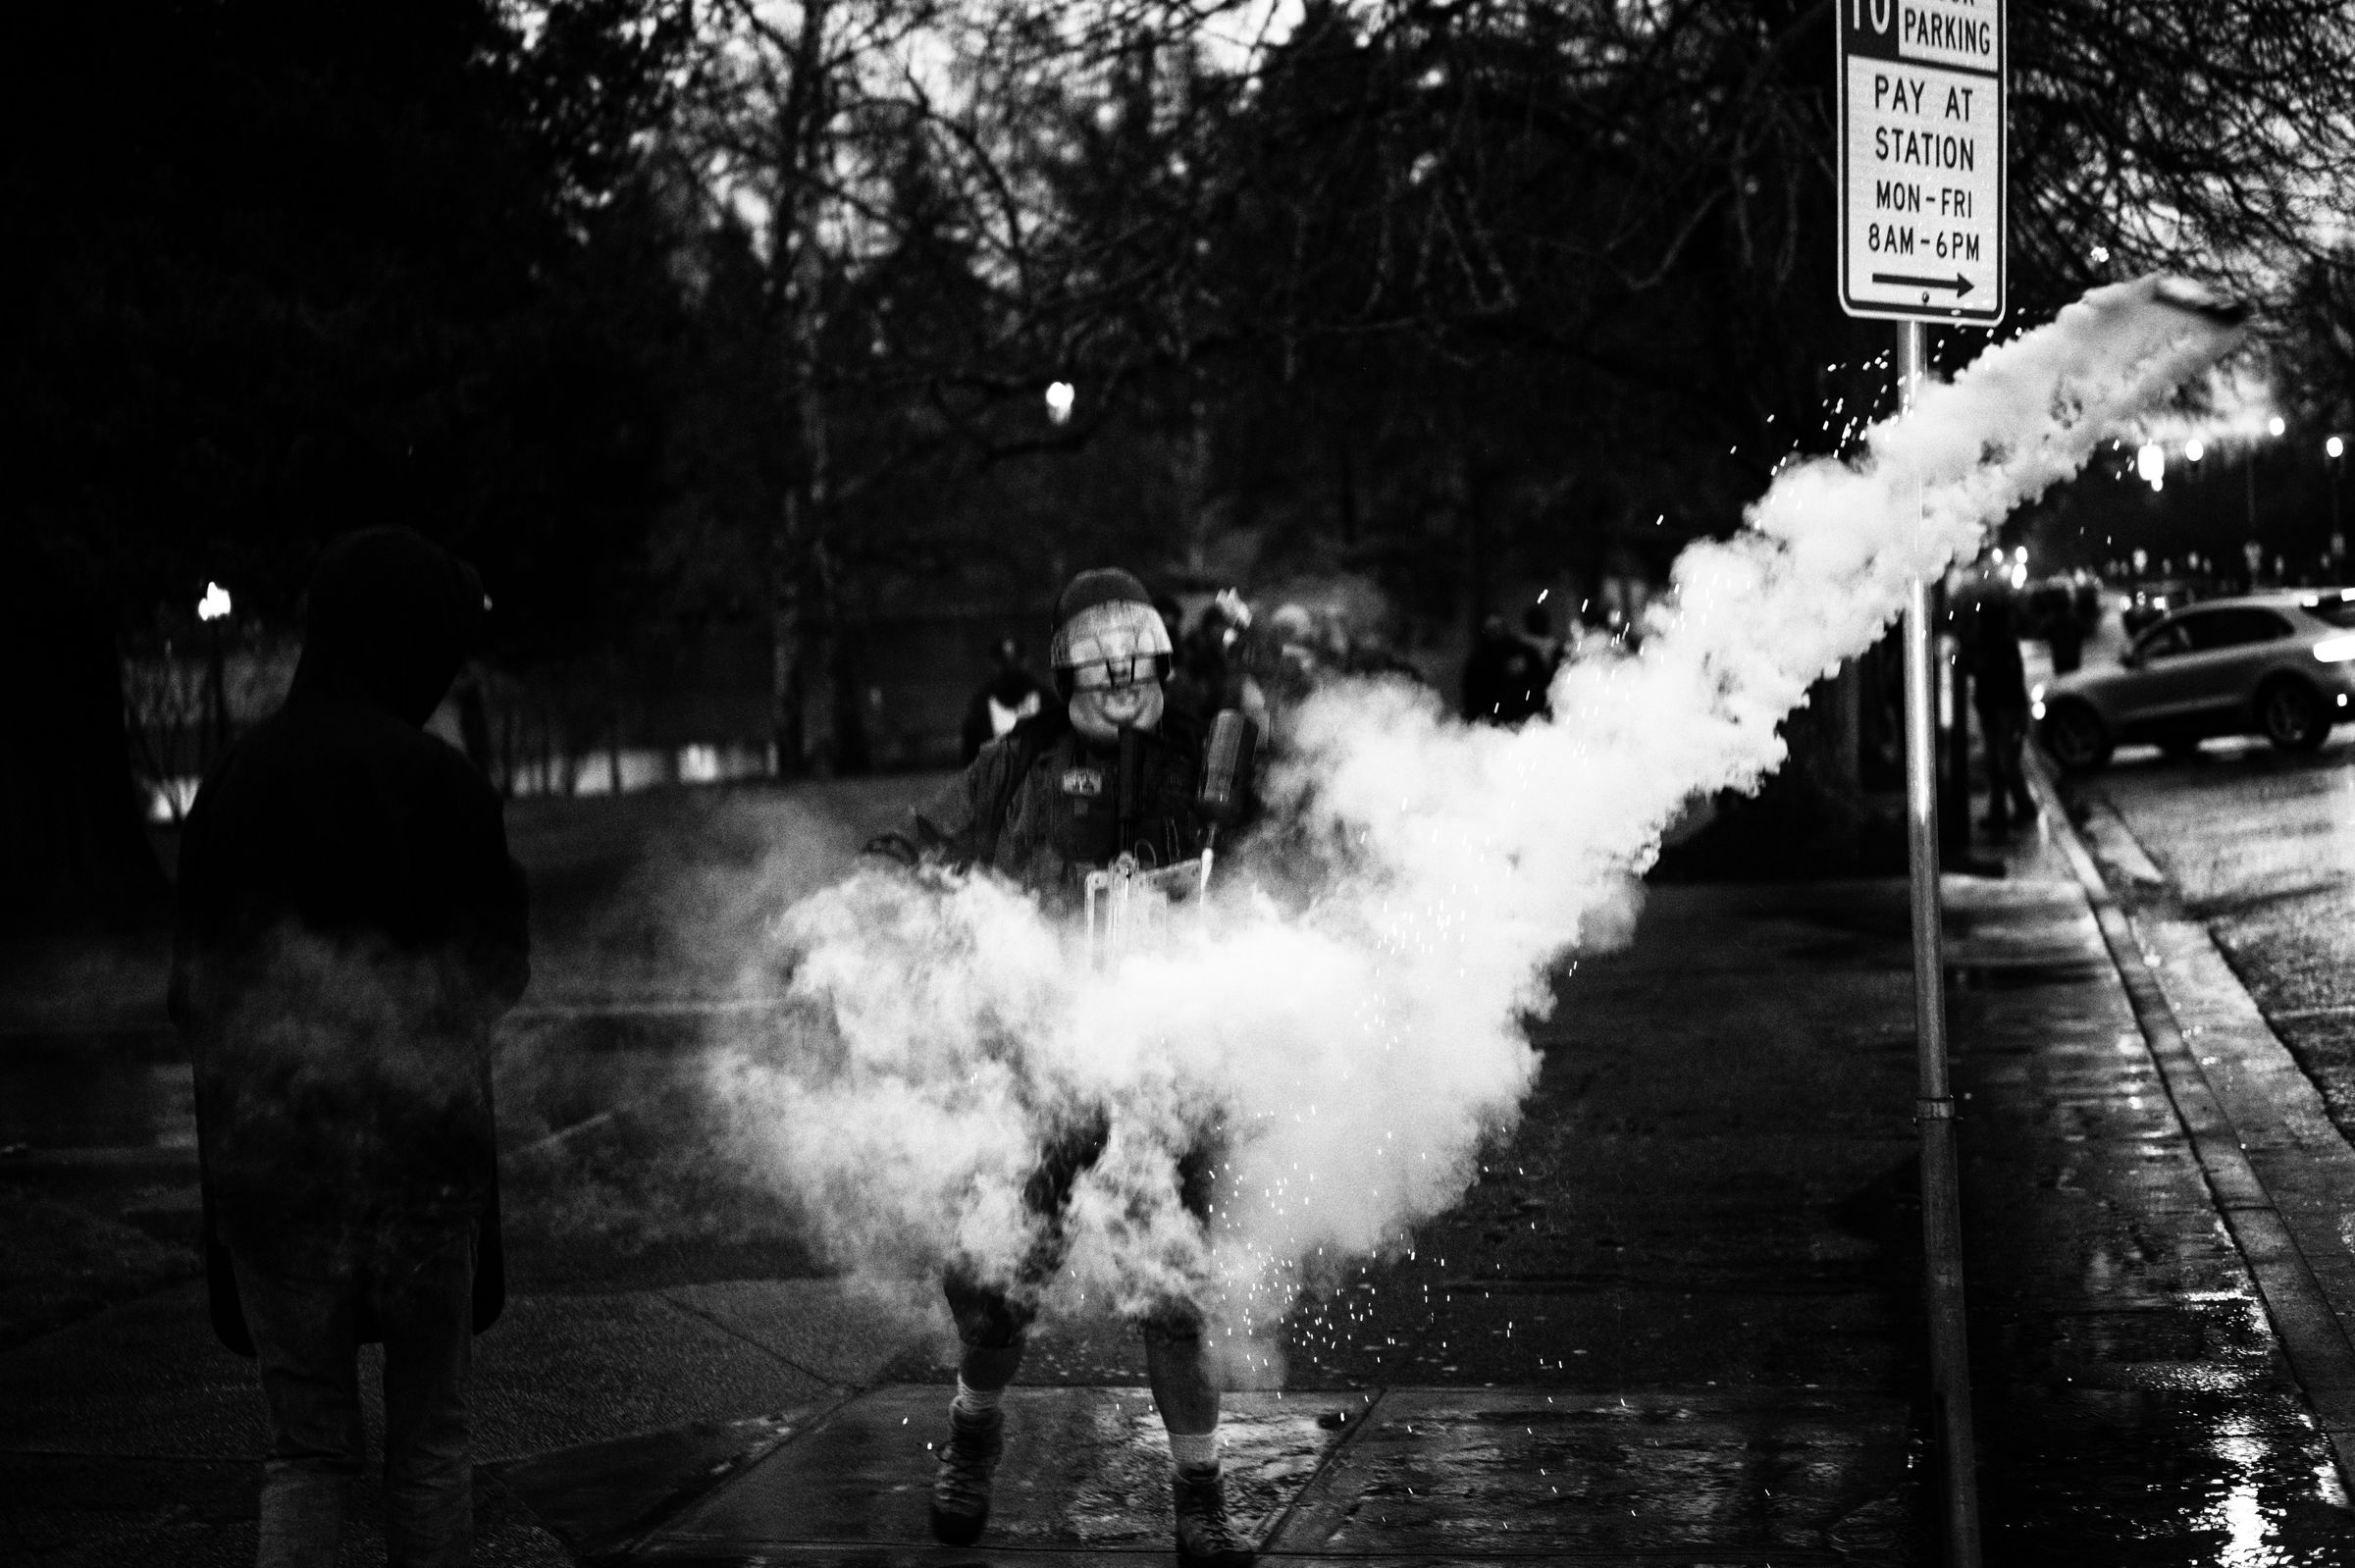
pixel 2305 1323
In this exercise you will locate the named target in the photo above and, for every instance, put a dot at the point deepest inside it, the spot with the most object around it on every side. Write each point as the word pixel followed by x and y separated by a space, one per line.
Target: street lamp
pixel 2150 463
pixel 1060 397
pixel 2334 448
pixel 212 609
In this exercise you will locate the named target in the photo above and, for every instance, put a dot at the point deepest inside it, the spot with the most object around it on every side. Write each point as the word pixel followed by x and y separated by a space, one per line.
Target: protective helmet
pixel 1104 623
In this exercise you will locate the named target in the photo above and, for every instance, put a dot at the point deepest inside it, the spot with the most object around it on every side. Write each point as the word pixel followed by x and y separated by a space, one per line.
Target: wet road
pixel 2258 847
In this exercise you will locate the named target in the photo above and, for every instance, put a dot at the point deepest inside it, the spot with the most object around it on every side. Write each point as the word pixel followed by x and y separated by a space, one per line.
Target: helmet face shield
pixel 1118 643
pixel 1138 669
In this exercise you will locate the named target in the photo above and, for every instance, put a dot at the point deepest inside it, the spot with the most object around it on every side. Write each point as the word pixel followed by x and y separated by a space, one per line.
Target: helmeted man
pixel 1103 773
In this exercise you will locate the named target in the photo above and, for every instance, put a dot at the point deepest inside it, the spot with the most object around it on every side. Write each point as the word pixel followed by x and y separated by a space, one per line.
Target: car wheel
pixel 2292 715
pixel 2077 737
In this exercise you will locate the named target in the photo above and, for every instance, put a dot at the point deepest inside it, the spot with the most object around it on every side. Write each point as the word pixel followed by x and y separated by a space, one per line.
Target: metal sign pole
pixel 1934 1111
pixel 1924 225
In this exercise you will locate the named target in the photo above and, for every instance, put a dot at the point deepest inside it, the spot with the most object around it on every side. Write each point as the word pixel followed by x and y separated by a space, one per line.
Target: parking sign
pixel 1923 219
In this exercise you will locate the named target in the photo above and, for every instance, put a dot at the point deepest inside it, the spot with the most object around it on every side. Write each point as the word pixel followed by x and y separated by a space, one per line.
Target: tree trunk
pixel 822 677
pixel 1468 490
pixel 845 750
pixel 1193 485
pixel 801 670
pixel 1848 725
pixel 73 849
pixel 1345 500
pixel 785 643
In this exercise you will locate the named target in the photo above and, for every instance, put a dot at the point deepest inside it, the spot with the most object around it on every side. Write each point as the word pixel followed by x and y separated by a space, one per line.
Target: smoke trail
pixel 1342 1054
pixel 2234 407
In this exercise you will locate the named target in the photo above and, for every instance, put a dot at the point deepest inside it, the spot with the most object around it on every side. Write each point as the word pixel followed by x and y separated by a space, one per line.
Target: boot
pixel 960 1487
pixel 1205 1540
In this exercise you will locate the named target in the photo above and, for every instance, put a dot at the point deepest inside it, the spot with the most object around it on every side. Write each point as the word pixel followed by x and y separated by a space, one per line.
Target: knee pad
pixel 986 1316
pixel 1170 1321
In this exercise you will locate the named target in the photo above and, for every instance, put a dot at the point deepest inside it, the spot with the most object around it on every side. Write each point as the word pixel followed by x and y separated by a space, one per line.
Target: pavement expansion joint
pixel 672 1300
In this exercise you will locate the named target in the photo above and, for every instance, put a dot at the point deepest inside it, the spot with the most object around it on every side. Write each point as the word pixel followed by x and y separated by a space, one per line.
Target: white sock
pixel 1194 1450
pixel 973 1403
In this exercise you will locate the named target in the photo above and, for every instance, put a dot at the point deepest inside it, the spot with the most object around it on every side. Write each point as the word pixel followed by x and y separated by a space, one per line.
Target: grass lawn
pixel 647 895
pixel 643 902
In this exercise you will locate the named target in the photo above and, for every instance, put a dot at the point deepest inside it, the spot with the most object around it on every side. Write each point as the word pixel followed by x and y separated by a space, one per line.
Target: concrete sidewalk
pixel 1675 1321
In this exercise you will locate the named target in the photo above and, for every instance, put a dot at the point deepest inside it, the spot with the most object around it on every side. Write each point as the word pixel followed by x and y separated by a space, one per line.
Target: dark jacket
pixel 2001 682
pixel 350 926
pixel 1044 806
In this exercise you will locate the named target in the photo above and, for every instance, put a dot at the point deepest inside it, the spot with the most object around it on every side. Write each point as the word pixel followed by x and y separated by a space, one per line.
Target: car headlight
pixel 2334 650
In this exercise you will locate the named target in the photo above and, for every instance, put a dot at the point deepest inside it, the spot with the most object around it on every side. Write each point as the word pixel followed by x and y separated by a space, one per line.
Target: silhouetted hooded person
pixel 350 926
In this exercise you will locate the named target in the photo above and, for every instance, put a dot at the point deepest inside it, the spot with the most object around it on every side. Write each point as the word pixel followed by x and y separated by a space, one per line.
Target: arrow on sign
pixel 1959 284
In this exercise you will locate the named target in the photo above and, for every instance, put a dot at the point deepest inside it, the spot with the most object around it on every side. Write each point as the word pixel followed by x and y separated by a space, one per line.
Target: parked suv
pixel 2277 664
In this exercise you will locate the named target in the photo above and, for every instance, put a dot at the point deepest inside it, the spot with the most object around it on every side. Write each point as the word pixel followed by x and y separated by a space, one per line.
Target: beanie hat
pixel 1105 616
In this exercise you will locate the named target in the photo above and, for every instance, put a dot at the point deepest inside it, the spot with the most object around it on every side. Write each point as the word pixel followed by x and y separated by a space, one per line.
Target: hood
pixel 392 617
pixel 1008 687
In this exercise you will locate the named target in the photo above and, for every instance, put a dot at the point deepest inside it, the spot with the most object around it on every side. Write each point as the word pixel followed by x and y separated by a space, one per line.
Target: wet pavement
pixel 1406 1475
pixel 2258 848
pixel 1676 1321
pixel 2133 1404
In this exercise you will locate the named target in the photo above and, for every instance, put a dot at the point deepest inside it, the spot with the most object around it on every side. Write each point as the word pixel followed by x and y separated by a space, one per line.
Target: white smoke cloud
pixel 2230 407
pixel 1345 1053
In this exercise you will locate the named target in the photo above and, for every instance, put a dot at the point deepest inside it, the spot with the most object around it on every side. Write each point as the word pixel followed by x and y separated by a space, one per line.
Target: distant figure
pixel 1009 696
pixel 1999 692
pixel 350 926
pixel 1536 629
pixel 1502 680
pixel 1210 673
pixel 1298 647
pixel 1289 659
pixel 2051 613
